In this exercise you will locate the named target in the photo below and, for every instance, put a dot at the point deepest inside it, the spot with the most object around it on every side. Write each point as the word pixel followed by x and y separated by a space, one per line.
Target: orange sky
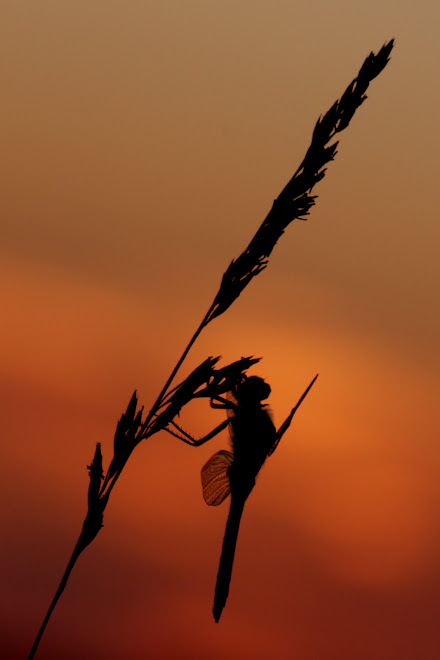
pixel 143 145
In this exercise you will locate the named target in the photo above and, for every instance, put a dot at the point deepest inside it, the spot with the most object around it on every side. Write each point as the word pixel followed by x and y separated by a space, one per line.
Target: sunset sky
pixel 143 144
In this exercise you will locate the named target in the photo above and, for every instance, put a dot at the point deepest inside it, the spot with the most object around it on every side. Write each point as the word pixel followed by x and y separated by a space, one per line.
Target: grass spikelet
pixel 294 202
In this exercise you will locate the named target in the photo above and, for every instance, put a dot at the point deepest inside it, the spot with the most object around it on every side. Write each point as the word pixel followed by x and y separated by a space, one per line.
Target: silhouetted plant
pixel 293 203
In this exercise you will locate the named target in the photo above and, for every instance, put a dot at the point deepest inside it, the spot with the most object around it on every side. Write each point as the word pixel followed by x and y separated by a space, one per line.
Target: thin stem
pixel 174 372
pixel 75 554
pixel 109 484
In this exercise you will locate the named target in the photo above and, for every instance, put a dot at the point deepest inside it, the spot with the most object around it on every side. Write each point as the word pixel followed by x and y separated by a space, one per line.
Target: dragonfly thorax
pixel 252 430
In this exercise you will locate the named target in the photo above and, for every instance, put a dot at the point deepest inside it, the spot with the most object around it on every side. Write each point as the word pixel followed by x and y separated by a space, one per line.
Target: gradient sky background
pixel 143 144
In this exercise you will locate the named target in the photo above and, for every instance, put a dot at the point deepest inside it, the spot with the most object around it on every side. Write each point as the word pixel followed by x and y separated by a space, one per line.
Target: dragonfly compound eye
pixel 253 388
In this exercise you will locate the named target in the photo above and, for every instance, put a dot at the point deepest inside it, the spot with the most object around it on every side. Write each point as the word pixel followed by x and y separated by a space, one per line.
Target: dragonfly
pixel 253 438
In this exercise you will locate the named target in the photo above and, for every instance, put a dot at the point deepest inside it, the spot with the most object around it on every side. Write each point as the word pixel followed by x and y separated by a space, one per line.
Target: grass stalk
pixel 294 202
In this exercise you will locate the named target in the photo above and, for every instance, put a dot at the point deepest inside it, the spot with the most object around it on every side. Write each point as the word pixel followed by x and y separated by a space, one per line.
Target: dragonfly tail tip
pixel 217 612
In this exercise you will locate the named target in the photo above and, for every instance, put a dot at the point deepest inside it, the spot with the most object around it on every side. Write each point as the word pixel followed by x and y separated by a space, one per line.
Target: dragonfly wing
pixel 215 477
pixel 285 425
pixel 281 431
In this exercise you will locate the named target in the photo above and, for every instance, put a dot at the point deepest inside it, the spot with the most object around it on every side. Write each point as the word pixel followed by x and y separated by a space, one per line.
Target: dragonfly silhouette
pixel 254 438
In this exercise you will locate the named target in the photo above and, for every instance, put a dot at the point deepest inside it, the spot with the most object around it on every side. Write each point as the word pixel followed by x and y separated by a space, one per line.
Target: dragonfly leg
pixel 183 433
pixel 186 437
pixel 221 403
pixel 180 437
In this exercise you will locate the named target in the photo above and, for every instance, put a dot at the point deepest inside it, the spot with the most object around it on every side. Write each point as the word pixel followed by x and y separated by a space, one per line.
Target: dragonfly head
pixel 252 390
